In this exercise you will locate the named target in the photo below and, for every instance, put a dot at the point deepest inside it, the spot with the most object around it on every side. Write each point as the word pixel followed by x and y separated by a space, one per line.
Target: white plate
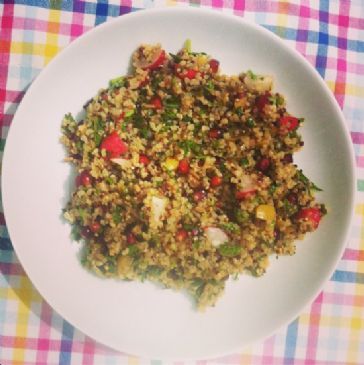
pixel 140 318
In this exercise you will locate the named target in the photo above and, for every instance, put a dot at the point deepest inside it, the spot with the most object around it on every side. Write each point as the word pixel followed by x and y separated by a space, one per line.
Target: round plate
pixel 141 318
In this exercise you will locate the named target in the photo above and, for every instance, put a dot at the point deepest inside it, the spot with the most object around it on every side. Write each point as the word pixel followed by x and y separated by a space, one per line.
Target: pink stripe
pixel 356 255
pixel 6 119
pixel 88 351
pixel 239 6
pixel 360 161
pixel 343 299
pixel 344 10
pixel 268 350
pixel 303 23
pixel 11 269
pixel 313 331
pixel 217 3
pixel 357 137
pixel 44 333
pixel 77 25
pixel 14 96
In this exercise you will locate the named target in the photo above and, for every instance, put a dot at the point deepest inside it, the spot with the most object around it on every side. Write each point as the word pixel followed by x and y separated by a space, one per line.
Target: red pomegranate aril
pixel 264 164
pixel 84 179
pixel 144 160
pixel 244 194
pixel 262 101
pixel 199 195
pixel 86 232
pixel 184 167
pixel 181 235
pixel 190 74
pixel 216 181
pixel 156 102
pixel 215 133
pixel 310 214
pixel 292 198
pixel 214 65
pixel 130 238
pixel 95 227
pixel 287 158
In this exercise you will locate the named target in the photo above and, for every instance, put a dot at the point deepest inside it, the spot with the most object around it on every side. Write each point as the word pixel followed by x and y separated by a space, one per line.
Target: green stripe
pixel 361 185
pixel 2 144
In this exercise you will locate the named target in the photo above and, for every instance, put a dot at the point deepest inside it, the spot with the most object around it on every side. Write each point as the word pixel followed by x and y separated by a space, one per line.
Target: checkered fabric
pixel 330 35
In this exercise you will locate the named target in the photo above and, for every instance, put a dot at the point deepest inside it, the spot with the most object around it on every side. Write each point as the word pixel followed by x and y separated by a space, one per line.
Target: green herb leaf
pixel 133 251
pixel 75 233
pixel 241 216
pixel 116 217
pixel 117 82
pixel 229 250
pixel 250 122
pixel 176 59
pixel 252 75
pixel 231 227
pixel 98 127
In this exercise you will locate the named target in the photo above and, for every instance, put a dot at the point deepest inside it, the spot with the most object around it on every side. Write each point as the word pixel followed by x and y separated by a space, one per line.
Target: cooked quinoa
pixel 186 176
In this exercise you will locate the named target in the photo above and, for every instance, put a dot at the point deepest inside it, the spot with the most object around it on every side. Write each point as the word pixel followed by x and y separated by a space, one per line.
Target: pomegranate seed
pixel 261 101
pixel 216 181
pixel 190 74
pixel 263 164
pixel 85 232
pixel 244 194
pixel 144 160
pixel 183 167
pixel 181 235
pixel 215 133
pixel 130 238
pixel 199 195
pixel 310 214
pixel 287 158
pixel 292 198
pixel 156 102
pixel 95 227
pixel 214 65
pixel 84 179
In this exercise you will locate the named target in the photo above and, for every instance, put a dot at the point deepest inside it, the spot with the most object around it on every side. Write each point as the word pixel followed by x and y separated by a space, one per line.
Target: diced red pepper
pixel 114 145
pixel 310 214
pixel 189 73
pixel 184 166
pixel 216 181
pixel 144 160
pixel 214 65
pixel 244 194
pixel 263 164
pixel 215 133
pixel 95 227
pixel 156 102
pixel 84 179
pixel 158 62
pixel 288 123
pixel 181 235
pixel 130 238
pixel 262 100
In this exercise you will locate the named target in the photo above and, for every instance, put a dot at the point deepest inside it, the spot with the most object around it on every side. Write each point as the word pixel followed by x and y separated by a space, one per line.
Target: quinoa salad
pixel 185 175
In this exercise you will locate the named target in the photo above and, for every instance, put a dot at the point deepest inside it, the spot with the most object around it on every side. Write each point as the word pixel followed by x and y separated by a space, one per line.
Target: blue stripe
pixel 312 36
pixel 66 344
pixel 79 6
pixel 348 277
pixel 5 244
pixel 291 343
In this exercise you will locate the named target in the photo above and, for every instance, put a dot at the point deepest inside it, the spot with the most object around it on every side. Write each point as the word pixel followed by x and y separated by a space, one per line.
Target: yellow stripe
pixel 357 317
pixel 27 48
pixel 25 294
pixel 51 46
pixel 351 90
pixel 133 360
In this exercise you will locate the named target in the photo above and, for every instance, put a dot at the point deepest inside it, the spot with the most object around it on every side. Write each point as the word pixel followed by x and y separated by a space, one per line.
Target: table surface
pixel 330 35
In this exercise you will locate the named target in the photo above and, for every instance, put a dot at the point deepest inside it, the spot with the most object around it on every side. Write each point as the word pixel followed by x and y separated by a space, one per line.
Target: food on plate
pixel 185 175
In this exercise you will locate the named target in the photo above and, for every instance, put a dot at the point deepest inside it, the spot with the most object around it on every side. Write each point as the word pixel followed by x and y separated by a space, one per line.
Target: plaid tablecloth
pixel 330 35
